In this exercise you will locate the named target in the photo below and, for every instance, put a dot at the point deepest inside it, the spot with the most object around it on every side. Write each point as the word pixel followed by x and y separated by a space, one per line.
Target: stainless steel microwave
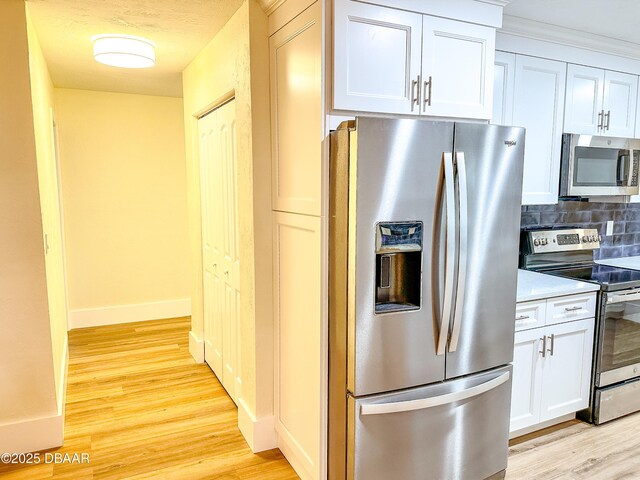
pixel 594 166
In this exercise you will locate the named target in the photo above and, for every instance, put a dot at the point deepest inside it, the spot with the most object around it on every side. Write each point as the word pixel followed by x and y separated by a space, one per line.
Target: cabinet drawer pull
pixel 544 346
pixel 550 350
pixel 522 317
pixel 415 92
pixel 600 115
pixel 427 92
pixel 572 309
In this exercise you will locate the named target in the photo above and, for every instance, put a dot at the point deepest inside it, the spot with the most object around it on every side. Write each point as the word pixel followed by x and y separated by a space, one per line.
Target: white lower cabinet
pixel 551 372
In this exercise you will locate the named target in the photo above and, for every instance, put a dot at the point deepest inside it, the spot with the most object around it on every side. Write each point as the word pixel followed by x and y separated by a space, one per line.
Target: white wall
pixel 124 194
pixel 27 380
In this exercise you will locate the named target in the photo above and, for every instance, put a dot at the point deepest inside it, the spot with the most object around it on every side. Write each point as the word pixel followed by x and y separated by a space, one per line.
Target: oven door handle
pixel 625 297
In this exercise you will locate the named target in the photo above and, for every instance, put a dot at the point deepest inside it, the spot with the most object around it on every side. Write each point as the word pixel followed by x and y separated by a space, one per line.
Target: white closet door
pixel 221 265
pixel 211 245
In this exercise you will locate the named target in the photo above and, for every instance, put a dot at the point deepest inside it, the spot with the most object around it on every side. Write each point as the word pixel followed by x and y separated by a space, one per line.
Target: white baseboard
pixel 40 433
pixel 93 317
pixel 62 387
pixel 196 347
pixel 260 434
pixel 32 435
pixel 296 455
pixel 540 426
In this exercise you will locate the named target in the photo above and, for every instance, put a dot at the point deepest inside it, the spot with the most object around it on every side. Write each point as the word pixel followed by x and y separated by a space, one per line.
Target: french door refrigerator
pixel 424 229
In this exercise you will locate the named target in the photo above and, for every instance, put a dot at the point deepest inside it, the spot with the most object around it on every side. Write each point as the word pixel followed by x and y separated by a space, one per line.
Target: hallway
pixel 142 408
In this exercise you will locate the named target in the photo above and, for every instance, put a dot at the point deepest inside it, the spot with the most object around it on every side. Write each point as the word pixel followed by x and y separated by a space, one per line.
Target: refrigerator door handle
pixel 422 403
pixel 462 255
pixel 450 205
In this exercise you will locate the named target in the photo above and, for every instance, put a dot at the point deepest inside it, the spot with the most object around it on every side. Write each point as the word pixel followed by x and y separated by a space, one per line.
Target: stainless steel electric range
pixel 569 252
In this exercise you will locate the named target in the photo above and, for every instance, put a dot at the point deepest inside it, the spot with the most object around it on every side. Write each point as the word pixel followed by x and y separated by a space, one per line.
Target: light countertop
pixel 625 262
pixel 535 286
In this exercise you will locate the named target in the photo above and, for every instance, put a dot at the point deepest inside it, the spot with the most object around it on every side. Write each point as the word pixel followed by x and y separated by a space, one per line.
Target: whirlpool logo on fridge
pixel 510 143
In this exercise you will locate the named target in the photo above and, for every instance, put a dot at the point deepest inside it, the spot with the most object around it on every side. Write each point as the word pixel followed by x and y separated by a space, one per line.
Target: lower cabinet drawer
pixel 571 307
pixel 530 314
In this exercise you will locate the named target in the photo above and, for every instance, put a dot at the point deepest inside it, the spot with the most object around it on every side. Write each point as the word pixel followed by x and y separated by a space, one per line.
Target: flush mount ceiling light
pixel 124 51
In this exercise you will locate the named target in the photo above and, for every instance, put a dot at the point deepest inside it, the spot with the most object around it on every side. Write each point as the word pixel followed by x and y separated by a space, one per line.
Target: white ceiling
pixel 179 28
pixel 616 19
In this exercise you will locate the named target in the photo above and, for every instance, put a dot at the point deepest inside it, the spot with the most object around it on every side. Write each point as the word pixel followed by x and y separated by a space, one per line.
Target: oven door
pixel 601 166
pixel 618 355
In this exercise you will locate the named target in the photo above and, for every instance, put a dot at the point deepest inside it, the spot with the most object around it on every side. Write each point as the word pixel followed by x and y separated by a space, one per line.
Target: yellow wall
pixel 235 63
pixel 27 385
pixel 124 195
pixel 42 98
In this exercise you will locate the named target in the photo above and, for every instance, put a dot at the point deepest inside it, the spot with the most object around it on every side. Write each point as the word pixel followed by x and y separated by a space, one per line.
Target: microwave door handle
pixel 620 170
pixel 630 169
pixel 450 243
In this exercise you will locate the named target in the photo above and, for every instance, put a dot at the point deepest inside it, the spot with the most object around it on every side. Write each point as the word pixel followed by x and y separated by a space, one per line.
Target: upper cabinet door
pixel 503 83
pixel 457 68
pixel 619 104
pixel 538 106
pixel 583 110
pixel 296 114
pixel 376 58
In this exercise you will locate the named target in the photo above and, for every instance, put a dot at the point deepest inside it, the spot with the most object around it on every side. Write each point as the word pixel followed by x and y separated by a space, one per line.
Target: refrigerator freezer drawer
pixel 457 429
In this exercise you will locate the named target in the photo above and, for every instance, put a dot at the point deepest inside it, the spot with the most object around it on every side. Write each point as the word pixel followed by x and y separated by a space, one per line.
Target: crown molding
pixel 499 3
pixel 522 27
pixel 270 5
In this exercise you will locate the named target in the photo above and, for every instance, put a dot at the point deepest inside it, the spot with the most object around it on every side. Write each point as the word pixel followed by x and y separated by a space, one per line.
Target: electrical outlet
pixel 609 228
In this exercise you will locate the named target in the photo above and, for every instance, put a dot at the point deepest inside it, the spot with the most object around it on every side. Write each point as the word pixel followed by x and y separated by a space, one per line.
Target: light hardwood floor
pixel 143 409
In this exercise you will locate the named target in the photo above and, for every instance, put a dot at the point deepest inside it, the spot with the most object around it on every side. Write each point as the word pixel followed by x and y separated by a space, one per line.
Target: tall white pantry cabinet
pixel 309 95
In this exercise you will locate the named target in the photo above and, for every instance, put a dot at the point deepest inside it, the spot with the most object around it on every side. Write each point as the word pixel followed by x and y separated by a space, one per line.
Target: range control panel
pixel 565 240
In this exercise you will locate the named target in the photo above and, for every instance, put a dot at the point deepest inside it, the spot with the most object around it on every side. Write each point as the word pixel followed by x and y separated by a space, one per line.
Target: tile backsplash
pixel 625 240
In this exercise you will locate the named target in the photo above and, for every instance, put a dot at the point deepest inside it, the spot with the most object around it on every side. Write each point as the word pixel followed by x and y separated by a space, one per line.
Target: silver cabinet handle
pixel 427 92
pixel 421 403
pixel 462 255
pixel 608 117
pixel 522 317
pixel 553 337
pixel 544 346
pixel 415 92
pixel 600 115
pixel 450 201
pixel 572 309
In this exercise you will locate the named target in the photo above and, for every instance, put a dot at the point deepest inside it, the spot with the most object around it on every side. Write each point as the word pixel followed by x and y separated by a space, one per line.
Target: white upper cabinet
pixel 538 104
pixel 503 83
pixel 600 102
pixel 619 104
pixel 583 109
pixel 296 114
pixel 457 68
pixel 377 54
pixel 394 61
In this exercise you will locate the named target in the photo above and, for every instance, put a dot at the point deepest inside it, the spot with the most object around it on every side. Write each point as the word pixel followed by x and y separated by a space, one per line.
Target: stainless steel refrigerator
pixel 425 220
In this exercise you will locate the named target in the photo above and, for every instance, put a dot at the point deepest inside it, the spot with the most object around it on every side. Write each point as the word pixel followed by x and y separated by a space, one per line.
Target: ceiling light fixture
pixel 124 51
